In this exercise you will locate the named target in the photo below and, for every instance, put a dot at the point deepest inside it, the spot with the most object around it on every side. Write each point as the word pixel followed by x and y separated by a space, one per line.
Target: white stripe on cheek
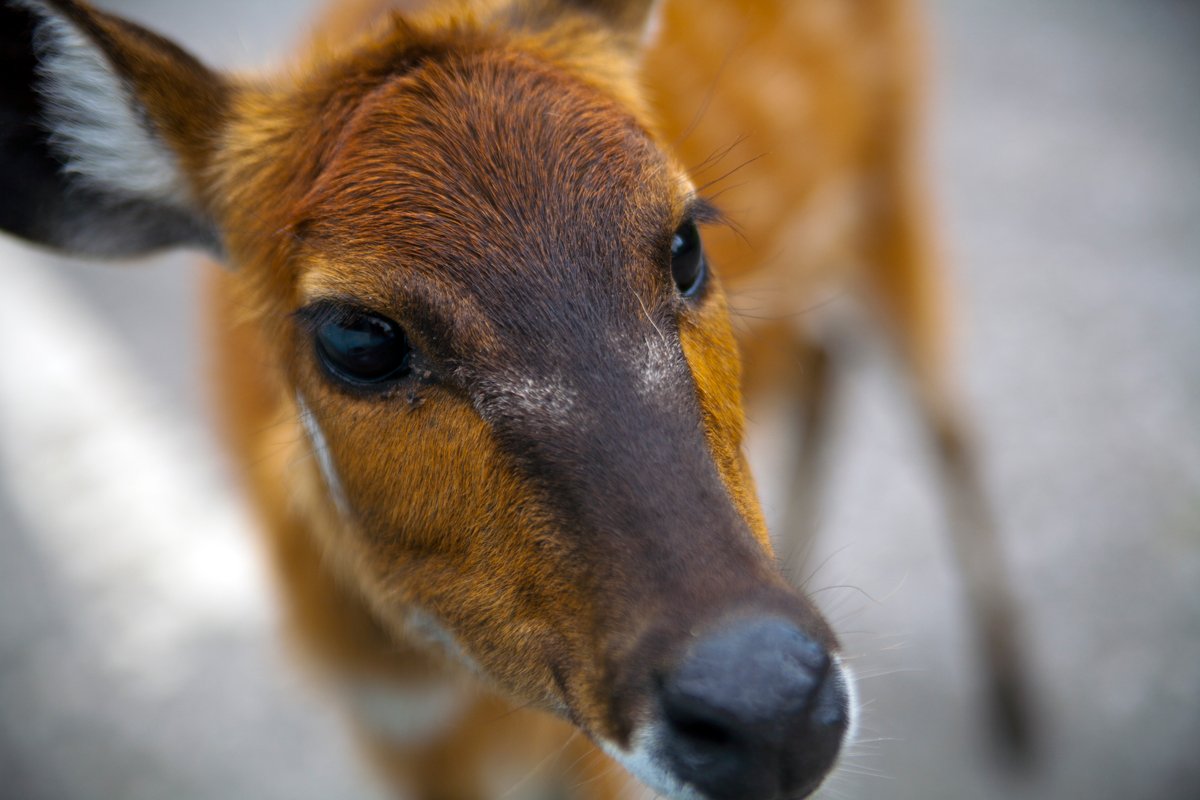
pixel 320 449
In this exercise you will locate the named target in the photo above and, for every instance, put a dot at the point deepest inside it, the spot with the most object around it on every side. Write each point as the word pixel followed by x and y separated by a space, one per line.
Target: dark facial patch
pixel 518 224
pixel 545 213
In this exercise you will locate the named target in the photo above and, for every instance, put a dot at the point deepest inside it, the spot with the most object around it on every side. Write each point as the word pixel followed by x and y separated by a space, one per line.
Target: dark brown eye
pixel 362 348
pixel 688 265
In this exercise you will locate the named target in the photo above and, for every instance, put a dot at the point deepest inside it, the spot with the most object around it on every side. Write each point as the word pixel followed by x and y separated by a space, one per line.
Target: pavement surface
pixel 139 650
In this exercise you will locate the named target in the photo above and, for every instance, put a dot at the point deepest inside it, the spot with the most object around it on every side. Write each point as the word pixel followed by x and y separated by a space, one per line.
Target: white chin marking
pixel 639 761
pixel 97 127
pixel 853 710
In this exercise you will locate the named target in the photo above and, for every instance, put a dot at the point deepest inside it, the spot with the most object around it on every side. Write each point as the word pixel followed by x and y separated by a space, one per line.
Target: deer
pixel 477 363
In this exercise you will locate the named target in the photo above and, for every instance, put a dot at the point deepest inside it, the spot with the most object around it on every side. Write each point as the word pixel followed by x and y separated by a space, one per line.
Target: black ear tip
pixel 25 158
pixel 17 61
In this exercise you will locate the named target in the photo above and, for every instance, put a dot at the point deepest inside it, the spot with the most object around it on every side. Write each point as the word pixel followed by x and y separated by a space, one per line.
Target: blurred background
pixel 139 650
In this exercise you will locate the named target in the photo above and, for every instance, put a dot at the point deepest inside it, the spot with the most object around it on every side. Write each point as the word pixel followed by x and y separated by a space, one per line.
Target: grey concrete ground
pixel 1066 148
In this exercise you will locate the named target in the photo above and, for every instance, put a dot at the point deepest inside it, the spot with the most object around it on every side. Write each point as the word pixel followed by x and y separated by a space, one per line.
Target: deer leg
pixel 777 355
pixel 990 603
pixel 909 288
pixel 803 504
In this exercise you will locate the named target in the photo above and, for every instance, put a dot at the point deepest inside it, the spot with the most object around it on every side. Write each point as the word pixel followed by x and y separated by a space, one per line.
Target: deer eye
pixel 688 265
pixel 360 347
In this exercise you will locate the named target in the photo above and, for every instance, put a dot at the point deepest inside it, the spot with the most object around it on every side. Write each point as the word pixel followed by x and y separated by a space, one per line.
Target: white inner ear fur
pixel 97 127
pixel 653 24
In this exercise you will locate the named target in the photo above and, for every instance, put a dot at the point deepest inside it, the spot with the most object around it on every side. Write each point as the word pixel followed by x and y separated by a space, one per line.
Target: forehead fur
pixel 487 174
pixel 436 145
pixel 485 150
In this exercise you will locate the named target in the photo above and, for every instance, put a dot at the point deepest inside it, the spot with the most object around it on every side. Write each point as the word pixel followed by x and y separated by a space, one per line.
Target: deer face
pixel 493 316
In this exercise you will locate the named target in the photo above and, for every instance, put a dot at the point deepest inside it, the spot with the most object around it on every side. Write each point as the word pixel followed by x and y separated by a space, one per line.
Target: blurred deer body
pixel 805 121
pixel 802 120
pixel 483 388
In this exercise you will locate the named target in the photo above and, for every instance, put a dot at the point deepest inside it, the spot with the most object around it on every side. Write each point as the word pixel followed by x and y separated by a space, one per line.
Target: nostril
pixel 694 719
pixel 703 732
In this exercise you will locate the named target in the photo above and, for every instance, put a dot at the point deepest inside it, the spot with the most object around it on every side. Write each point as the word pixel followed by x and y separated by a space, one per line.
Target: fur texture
pixel 552 502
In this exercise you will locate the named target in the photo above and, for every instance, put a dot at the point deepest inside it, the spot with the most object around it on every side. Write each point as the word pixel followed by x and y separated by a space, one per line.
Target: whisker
pixel 646 311
pixel 817 306
pixel 706 102
pixel 718 155
pixel 732 172
pixel 804 584
pixel 858 589
pixel 514 710
pixel 554 756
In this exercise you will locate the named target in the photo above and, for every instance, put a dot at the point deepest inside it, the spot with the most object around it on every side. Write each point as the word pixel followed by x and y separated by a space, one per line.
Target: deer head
pixel 487 297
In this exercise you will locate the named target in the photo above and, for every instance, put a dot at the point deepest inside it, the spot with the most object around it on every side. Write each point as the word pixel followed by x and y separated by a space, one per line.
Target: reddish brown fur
pixel 491 177
pixel 829 92
pixel 324 256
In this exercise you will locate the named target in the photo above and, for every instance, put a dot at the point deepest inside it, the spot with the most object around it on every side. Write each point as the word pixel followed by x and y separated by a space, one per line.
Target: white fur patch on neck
pixel 320 450
pixel 97 127
pixel 423 628
pixel 407 713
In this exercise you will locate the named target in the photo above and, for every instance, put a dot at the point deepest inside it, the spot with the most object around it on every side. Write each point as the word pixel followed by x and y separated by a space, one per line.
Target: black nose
pixel 755 711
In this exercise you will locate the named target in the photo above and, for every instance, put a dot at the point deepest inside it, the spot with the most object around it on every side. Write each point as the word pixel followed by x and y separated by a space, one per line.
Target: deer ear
pixel 106 132
pixel 633 18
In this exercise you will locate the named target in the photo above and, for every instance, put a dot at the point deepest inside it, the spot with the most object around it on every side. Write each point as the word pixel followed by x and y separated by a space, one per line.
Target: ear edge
pixel 633 18
pixel 633 21
pixel 73 183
